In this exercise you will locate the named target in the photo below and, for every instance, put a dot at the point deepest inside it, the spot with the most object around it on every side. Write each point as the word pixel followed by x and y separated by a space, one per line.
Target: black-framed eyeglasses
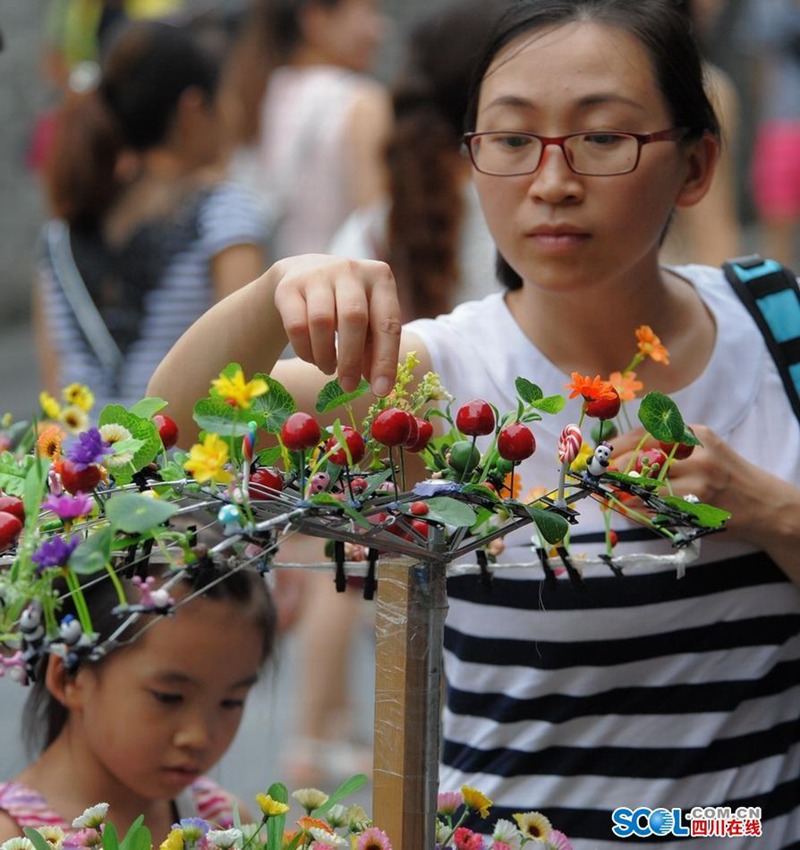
pixel 596 154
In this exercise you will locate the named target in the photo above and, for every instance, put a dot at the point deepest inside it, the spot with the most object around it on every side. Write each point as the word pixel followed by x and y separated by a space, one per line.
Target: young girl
pixel 591 126
pixel 139 729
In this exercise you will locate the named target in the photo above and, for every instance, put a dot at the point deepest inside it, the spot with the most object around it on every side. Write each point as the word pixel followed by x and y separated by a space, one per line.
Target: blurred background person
pixel 429 227
pixel 710 232
pixel 144 235
pixel 769 33
pixel 307 126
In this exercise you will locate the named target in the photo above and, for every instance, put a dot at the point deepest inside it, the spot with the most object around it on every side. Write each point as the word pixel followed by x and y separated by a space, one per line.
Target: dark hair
pixel 270 33
pixel 424 154
pixel 44 716
pixel 146 69
pixel 661 26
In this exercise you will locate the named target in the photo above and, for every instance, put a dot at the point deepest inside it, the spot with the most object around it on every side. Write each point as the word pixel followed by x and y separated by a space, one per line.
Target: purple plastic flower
pixel 90 448
pixel 54 552
pixel 66 506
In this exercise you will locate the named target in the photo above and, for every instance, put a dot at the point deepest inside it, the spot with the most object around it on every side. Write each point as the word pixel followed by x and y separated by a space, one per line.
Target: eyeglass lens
pixel 587 153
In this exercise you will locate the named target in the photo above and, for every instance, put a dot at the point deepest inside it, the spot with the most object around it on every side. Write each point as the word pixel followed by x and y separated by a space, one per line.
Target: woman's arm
pixel 342 316
pixel 232 268
pixel 45 352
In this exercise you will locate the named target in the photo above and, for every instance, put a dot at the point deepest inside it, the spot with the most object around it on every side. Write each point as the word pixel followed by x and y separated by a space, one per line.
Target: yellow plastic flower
pixel 236 390
pixel 50 407
pixel 207 460
pixel 476 800
pixel 80 395
pixel 174 841
pixel 75 419
pixel 533 825
pixel 269 807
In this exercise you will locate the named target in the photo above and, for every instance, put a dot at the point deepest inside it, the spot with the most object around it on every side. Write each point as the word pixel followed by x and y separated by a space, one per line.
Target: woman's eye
pixel 602 139
pixel 511 141
pixel 167 698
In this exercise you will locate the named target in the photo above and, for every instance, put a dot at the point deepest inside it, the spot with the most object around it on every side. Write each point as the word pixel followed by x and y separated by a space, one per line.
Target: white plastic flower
pixel 92 817
pixel 358 820
pixel 336 815
pixel 114 433
pixel 53 835
pixel 224 838
pixel 507 832
pixel 18 843
pixel 310 798
pixel 328 839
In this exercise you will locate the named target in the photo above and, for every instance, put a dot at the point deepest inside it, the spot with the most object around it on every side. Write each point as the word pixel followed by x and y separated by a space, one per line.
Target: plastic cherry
pixel 516 442
pixel 77 480
pixel 10 527
pixel 355 445
pixel 650 461
pixel 418 440
pixel 265 483
pixel 167 429
pixel 392 426
pixel 12 505
pixel 475 418
pixel 603 408
pixel 300 431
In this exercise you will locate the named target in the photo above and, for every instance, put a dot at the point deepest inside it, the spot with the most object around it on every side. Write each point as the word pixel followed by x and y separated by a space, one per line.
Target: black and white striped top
pixel 646 690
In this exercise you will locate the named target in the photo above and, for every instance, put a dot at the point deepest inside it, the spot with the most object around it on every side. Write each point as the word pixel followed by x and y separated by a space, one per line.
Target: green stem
pixel 123 599
pixel 78 599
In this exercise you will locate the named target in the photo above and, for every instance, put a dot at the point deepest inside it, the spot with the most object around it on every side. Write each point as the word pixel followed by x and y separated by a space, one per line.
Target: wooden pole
pixel 410 614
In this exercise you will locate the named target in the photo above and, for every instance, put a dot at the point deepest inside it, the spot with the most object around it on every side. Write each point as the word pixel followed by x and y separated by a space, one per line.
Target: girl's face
pixel 158 714
pixel 555 227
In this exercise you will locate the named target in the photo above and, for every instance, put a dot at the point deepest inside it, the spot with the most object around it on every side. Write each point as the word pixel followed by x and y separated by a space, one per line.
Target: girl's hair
pixel 424 154
pixel 44 716
pixel 147 68
pixel 661 26
pixel 270 33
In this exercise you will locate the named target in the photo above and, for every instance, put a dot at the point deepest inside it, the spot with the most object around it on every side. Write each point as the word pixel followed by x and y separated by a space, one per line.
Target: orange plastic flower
pixel 515 494
pixel 651 346
pixel 49 442
pixel 305 824
pixel 626 385
pixel 592 389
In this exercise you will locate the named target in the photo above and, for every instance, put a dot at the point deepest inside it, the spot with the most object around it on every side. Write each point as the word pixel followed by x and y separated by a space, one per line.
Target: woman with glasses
pixel 589 125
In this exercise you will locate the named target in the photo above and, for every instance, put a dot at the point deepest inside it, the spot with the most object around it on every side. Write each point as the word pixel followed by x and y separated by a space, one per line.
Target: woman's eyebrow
pixel 587 102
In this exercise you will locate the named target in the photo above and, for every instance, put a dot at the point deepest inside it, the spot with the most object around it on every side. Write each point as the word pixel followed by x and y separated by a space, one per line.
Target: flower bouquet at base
pixel 326 823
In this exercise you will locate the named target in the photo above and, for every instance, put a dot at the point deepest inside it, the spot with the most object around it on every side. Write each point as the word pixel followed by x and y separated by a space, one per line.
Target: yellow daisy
pixel 533 825
pixel 207 460
pixel 476 800
pixel 235 390
pixel 80 395
pixel 50 407
pixel 269 807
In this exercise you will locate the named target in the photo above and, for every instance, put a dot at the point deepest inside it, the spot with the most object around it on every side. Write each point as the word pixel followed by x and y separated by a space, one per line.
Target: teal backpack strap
pixel 771 294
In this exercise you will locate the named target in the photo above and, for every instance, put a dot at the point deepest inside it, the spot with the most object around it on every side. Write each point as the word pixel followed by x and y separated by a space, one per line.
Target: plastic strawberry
pixel 475 418
pixel 391 427
pixel 300 431
pixel 516 442
pixel 167 429
pixel 650 461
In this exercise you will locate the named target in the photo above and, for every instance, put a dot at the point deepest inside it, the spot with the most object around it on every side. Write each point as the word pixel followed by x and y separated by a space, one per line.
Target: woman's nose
pixel 554 182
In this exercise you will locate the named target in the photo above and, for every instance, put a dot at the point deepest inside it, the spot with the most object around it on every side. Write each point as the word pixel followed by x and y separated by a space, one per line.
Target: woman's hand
pixel 765 509
pixel 341 315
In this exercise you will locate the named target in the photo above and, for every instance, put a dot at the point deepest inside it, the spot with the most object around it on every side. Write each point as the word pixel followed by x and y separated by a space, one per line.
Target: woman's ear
pixel 701 163
pixel 62 685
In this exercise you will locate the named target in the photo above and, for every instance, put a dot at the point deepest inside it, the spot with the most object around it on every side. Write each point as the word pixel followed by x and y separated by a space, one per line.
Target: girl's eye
pixel 233 704
pixel 167 698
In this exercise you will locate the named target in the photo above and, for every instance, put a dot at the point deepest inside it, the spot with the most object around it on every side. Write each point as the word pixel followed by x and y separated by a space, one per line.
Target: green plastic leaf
pixel 661 418
pixel 110 838
pixel 135 513
pixel 446 510
pixel 140 429
pixel 269 457
pixel 35 485
pixel 276 824
pixel 353 513
pixel 706 516
pixel 137 837
pixel 213 415
pixel 550 404
pixel 348 787
pixel 37 839
pixel 93 553
pixel 148 407
pixel 527 390
pixel 275 406
pixel 332 395
pixel 552 527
